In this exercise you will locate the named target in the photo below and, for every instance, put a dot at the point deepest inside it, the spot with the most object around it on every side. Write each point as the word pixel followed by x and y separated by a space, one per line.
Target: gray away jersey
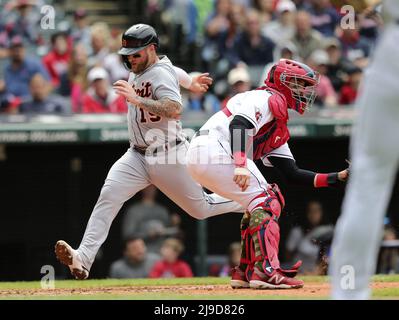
pixel 156 82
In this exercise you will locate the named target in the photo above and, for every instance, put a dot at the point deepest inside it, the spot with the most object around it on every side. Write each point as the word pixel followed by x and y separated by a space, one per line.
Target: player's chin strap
pixel 260 234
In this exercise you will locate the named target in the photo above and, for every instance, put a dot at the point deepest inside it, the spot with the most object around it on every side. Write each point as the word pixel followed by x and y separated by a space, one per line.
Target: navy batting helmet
pixel 136 38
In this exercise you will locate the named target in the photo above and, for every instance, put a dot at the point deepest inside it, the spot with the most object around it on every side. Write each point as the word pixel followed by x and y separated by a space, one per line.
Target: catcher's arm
pixel 294 174
pixel 238 128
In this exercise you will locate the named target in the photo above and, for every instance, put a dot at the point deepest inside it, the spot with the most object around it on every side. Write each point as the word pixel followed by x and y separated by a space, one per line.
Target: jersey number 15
pixel 148 116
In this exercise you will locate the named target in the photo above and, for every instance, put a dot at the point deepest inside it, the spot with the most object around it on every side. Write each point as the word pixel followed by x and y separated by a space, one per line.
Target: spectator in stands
pixel 358 5
pixel 81 32
pixel 300 4
pixel 234 257
pixel 217 24
pixel 370 23
pixel 181 16
pixel 203 102
pixel 175 229
pixel 8 102
pixel 113 62
pixel 251 46
pixel 41 100
pixel 354 46
pixel 226 39
pixel 281 30
pixel 285 51
pixel 308 243
pixel 389 255
pixel 349 90
pixel 100 42
pixel 326 95
pixel 266 10
pixel 336 69
pixel 171 266
pixel 239 82
pixel 20 69
pixel 73 84
pixel 237 15
pixel 56 61
pixel 136 261
pixel 23 19
pixel 3 42
pixel 218 21
pixel 100 97
pixel 324 17
pixel 306 39
pixel 148 219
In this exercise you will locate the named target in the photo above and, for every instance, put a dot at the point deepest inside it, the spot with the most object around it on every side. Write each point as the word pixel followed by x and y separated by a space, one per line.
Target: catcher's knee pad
pixel 273 201
pixel 246 240
pixel 265 233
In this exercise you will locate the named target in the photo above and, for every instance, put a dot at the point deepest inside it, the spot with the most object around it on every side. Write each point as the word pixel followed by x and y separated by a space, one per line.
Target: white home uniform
pixel 209 158
pixel 375 158
pixel 165 169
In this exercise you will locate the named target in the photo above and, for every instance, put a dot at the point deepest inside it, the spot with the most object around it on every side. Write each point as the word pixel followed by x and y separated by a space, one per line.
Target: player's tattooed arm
pixel 163 107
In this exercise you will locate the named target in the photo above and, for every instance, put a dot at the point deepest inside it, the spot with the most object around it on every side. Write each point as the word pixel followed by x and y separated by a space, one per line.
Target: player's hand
pixel 242 177
pixel 344 174
pixel 124 89
pixel 201 83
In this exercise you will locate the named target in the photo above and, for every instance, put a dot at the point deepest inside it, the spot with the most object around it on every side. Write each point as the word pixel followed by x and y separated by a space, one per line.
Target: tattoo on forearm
pixel 164 107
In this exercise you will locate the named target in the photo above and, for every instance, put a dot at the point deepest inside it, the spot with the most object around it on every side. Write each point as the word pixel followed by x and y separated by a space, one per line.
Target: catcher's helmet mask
pixel 135 39
pixel 296 81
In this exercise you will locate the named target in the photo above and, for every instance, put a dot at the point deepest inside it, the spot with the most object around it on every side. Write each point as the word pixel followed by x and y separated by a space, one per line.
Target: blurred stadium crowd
pixel 70 68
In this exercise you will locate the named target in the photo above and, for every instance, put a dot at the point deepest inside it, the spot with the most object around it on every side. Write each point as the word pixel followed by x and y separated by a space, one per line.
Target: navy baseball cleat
pixel 70 257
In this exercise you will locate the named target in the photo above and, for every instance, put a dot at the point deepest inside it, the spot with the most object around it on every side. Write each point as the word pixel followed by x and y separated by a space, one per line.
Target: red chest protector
pixel 275 133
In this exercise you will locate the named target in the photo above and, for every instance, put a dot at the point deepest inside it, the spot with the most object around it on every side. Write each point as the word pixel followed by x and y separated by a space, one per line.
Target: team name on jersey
pixel 145 90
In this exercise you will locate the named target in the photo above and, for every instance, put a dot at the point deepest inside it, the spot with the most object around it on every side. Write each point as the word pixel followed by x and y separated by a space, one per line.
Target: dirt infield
pixel 311 290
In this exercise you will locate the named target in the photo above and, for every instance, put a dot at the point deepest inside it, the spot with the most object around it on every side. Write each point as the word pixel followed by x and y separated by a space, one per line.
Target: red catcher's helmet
pixel 296 81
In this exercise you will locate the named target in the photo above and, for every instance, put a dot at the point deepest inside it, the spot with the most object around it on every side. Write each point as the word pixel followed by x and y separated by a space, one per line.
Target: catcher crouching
pixel 221 157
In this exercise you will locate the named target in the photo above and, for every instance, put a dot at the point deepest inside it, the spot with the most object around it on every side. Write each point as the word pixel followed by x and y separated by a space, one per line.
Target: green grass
pixel 93 283
pixel 105 289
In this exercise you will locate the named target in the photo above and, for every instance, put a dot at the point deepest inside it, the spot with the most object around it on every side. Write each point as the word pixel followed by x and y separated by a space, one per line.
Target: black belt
pixel 165 147
pixel 201 133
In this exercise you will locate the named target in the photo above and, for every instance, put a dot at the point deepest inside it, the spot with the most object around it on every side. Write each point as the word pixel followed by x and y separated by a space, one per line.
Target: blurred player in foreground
pixel 375 158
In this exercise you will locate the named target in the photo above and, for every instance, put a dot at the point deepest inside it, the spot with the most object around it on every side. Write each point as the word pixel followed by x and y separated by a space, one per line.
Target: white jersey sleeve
pixel 253 106
pixel 283 151
pixel 184 78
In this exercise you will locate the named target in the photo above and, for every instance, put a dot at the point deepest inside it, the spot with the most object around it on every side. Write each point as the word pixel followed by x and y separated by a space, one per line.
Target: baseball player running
pixel 218 159
pixel 375 161
pixel 157 148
